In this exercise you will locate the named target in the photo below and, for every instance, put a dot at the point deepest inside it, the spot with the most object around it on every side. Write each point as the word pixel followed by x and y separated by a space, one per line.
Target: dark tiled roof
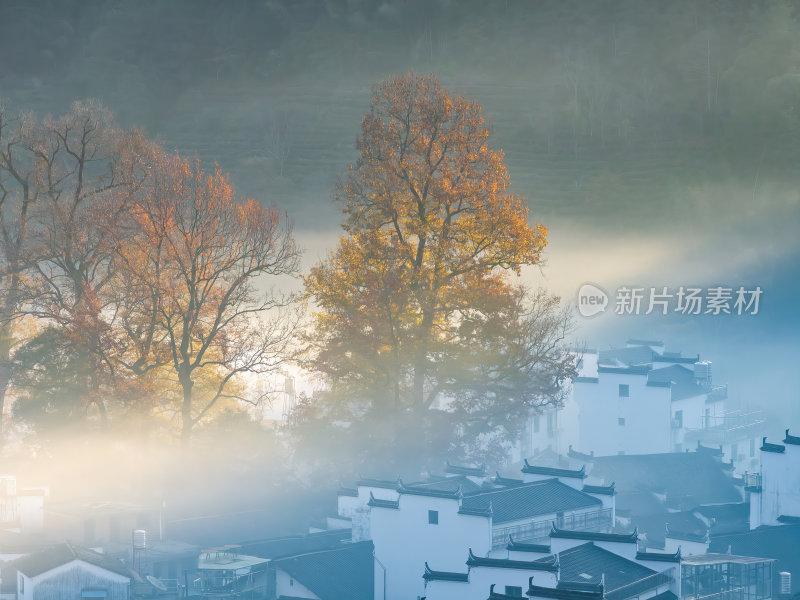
pixel 683 525
pixel 791 439
pixel 712 451
pixel 378 483
pixel 554 471
pixel 506 481
pixel 659 556
pixel 462 470
pixel 624 538
pixel 781 542
pixel 603 490
pixel 674 373
pixel 638 342
pixel 788 519
pixel 477 512
pixel 580 455
pixel 428 491
pixel 529 500
pixel 345 572
pixel 677 533
pixel 663 384
pixel 379 503
pixel 55 556
pixel 549 563
pixel 625 370
pixel 588 563
pixel 443 575
pixel 675 357
pixel 766 447
pixel 562 593
pixel 726 518
pixel 525 547
pixel 657 473
pixel 581 586
pixel 295 544
pixel 629 504
pixel 631 356
pixel 448 484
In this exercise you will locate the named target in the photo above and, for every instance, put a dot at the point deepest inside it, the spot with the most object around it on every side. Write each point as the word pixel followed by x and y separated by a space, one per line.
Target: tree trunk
pixel 186 408
pixel 5 374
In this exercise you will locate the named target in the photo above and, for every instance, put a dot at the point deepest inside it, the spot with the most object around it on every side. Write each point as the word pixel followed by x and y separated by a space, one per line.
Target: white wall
pixel 646 411
pixel 780 483
pixel 404 541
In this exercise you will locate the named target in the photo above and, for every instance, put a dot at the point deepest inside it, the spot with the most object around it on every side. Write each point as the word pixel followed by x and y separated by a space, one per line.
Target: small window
pixel 433 517
pixel 621 421
pixel 514 590
pixel 624 390
pixel 752 448
pixel 536 424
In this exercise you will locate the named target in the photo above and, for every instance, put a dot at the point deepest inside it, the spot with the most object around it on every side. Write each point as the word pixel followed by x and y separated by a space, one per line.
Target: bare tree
pixel 198 258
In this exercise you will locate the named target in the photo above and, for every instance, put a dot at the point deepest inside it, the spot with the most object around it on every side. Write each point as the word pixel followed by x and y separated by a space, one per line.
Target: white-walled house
pixel 641 399
pixel 446 516
pixel 420 524
pixel 775 491
pixel 68 571
pixel 21 509
pixel 580 563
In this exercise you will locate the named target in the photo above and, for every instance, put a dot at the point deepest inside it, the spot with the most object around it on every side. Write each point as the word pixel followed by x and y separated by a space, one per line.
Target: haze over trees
pixel 425 341
pixel 133 280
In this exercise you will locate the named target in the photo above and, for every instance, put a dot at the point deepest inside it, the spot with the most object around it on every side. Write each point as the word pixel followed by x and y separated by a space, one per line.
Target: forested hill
pixel 627 111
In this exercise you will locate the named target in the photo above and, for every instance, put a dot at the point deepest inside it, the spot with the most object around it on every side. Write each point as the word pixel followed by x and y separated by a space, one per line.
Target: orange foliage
pixel 433 234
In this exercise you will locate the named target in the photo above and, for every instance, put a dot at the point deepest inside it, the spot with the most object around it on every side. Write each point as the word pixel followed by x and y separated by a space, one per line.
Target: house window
pixel 624 390
pixel 679 419
pixel 433 517
pixel 752 448
pixel 550 423
pixel 536 424
pixel 621 421
pixel 514 590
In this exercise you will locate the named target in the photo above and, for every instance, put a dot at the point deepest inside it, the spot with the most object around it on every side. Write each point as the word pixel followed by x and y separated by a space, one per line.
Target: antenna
pixel 289 398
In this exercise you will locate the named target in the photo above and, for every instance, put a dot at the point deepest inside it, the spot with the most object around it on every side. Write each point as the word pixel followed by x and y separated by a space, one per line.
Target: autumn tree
pixel 86 170
pixel 198 264
pixel 19 192
pixel 417 307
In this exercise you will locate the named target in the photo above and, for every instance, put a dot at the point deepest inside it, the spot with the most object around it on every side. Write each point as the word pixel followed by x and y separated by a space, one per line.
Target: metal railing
pixel 597 520
pixel 752 480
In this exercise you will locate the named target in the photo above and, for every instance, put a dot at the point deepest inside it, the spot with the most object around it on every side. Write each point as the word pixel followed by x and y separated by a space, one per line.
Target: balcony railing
pixel 598 520
pixel 752 482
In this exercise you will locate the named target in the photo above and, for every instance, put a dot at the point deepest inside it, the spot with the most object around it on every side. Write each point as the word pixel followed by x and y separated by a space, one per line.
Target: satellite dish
pixel 156 583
